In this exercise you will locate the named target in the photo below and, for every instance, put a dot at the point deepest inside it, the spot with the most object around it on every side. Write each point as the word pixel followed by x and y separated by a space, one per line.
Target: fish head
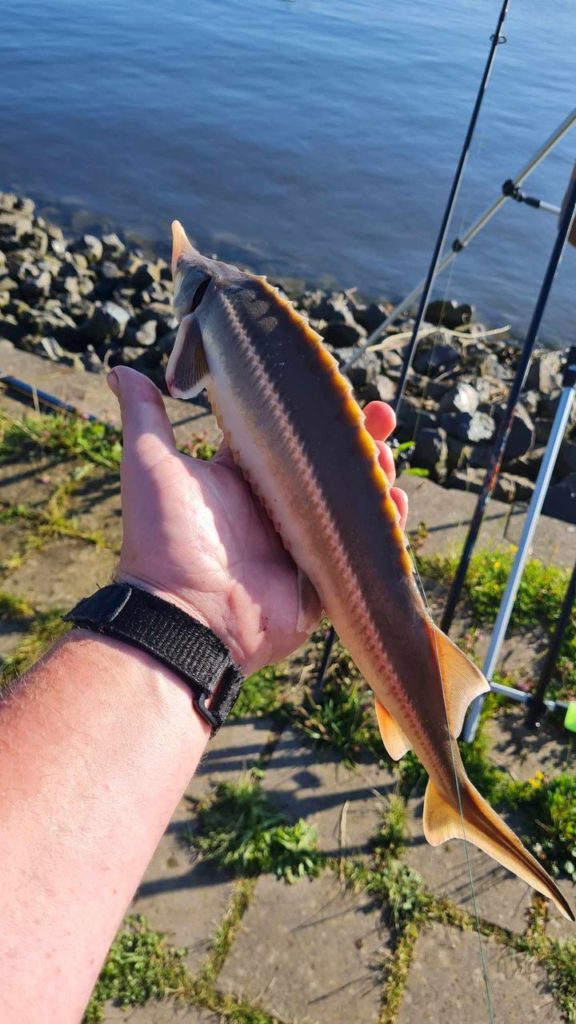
pixel 197 280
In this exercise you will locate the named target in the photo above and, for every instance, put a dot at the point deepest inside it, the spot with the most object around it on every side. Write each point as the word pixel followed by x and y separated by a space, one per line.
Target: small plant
pixel 61 433
pixel 260 693
pixel 45 629
pixel 550 809
pixel 140 966
pixel 13 607
pixel 398 887
pixel 240 831
pixel 560 963
pixel 388 840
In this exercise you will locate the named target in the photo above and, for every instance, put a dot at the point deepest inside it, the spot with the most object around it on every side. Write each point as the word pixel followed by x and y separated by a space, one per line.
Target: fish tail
pixel 479 824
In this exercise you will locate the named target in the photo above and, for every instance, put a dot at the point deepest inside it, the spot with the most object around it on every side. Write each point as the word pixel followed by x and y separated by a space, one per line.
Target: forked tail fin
pixel 486 830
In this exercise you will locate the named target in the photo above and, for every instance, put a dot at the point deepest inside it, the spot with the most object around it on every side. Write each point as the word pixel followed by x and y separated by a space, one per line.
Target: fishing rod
pixel 39 398
pixel 495 40
pixel 424 290
pixel 503 432
pixel 561 420
pixel 511 190
pixel 459 244
pixel 538 705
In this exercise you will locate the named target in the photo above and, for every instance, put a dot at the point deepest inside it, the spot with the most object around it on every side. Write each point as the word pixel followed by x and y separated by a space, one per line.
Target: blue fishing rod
pixel 495 40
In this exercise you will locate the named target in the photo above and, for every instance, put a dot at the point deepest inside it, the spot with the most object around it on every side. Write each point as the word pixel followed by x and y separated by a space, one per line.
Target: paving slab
pixel 235 748
pixel 344 805
pixel 522 752
pixel 164 1012
pixel 558 927
pixel 180 894
pixel 446 983
pixel 500 897
pixel 32 481
pixel 62 572
pixel 309 952
pixel 96 506
pixel 447 516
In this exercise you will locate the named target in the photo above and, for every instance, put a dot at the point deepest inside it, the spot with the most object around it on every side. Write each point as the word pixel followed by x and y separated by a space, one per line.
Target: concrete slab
pixel 165 1012
pixel 97 506
pixel 447 516
pixel 500 898
pixel 61 573
pixel 557 927
pixel 32 481
pixel 309 952
pixel 446 983
pixel 522 752
pixel 234 749
pixel 344 806
pixel 182 896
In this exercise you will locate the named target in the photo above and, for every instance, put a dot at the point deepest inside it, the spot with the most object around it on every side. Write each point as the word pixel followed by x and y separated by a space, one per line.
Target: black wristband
pixel 171 636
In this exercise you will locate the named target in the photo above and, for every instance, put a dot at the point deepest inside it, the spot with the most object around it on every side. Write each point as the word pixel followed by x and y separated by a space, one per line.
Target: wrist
pixel 211 610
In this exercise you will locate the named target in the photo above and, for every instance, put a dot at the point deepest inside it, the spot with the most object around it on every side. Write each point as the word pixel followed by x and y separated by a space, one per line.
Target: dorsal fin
pixel 392 736
pixel 462 680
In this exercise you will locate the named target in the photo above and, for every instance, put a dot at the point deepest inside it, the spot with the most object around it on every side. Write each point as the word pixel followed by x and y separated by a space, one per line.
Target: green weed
pixel 388 840
pixel 560 963
pixel 550 810
pixel 62 434
pixel 396 886
pixel 260 693
pixel 240 831
pixel 45 629
pixel 13 607
pixel 140 966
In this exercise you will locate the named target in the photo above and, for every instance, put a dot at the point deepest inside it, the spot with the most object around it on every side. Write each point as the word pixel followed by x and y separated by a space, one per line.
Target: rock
pixel 110 271
pixel 460 398
pixel 466 480
pixel 545 373
pixel 145 335
pixel 91 361
pixel 381 390
pixel 34 288
pixel 431 452
pixel 560 501
pixel 448 313
pixel 365 370
pixel 14 228
pixel 435 355
pixel 469 428
pixel 146 274
pixel 340 335
pixel 566 462
pixel 458 453
pixel 522 434
pixel 412 419
pixel 88 246
pixel 370 317
pixel 107 323
pixel 113 246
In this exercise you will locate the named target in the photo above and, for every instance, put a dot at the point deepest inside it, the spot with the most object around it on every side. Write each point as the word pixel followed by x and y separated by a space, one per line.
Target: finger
pixel 400 499
pixel 386 460
pixel 142 409
pixel 379 420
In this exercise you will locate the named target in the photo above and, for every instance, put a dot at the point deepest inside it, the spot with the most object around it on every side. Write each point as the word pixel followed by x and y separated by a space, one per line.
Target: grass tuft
pixel 140 966
pixel 260 693
pixel 240 831
pixel 45 629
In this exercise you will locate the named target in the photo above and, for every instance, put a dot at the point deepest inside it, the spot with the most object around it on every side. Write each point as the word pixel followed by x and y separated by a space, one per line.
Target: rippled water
pixel 314 138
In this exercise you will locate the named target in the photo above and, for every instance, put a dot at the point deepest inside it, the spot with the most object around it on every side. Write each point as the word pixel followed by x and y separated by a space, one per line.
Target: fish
pixel 297 434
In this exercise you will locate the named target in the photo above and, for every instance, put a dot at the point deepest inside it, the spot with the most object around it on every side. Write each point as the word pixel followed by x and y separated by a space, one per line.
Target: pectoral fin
pixel 187 370
pixel 462 680
pixel 392 736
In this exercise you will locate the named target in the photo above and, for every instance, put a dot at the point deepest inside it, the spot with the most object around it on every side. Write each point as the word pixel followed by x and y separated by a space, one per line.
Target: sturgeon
pixel 298 436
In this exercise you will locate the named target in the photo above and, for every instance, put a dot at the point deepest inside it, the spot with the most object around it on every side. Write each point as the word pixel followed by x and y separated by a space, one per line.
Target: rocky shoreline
pixel 94 302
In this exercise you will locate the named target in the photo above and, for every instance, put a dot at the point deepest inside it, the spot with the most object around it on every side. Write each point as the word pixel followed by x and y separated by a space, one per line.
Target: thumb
pixel 142 409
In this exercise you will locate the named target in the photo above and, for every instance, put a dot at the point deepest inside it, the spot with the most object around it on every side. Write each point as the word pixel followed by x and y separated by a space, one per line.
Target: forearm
pixel 97 744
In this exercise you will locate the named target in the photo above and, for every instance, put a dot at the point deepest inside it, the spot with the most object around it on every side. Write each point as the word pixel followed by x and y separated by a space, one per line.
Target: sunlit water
pixel 312 138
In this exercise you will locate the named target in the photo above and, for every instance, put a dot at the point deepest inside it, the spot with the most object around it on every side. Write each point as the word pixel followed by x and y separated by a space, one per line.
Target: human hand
pixel 188 523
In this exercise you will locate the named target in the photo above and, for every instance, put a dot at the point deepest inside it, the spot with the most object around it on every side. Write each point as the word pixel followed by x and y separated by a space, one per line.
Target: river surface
pixel 309 138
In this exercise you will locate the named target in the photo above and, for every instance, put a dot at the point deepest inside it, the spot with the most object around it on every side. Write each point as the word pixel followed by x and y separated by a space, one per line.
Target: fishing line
pixel 476 914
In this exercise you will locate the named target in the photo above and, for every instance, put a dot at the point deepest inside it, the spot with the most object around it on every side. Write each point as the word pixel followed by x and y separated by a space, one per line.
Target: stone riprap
pixel 95 302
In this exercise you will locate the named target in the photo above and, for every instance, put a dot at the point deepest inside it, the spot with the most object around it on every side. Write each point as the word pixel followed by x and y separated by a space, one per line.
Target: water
pixel 311 138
